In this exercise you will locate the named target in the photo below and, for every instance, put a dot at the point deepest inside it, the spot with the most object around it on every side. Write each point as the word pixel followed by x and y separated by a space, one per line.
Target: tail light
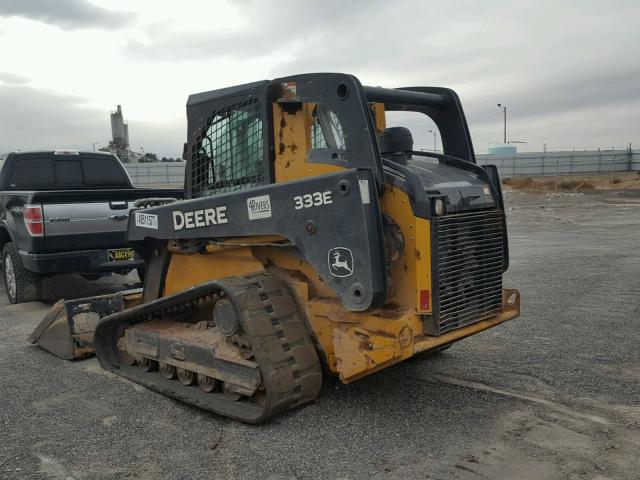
pixel 33 220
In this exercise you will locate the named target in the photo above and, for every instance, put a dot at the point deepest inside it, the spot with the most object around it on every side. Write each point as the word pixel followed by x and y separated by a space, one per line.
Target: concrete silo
pixel 119 130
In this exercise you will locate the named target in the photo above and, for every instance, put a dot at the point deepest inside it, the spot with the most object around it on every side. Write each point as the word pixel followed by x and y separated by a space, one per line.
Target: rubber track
pixel 271 324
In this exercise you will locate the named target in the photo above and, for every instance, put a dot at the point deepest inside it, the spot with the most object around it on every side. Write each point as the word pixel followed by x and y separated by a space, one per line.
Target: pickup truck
pixel 66 211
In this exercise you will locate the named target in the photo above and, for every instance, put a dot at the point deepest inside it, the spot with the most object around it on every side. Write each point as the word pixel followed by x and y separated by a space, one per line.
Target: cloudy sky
pixel 568 71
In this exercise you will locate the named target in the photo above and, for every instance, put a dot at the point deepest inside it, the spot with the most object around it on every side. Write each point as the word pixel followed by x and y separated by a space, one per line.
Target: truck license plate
pixel 120 254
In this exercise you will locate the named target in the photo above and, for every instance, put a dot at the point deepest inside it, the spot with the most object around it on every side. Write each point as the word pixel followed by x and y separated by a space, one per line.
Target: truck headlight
pixel 438 207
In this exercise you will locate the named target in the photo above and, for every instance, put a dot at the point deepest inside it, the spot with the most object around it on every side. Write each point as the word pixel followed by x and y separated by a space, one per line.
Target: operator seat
pixel 396 144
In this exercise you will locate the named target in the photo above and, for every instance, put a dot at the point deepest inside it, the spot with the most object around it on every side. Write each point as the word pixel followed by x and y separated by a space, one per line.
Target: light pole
pixel 434 140
pixel 504 108
pixel 94 145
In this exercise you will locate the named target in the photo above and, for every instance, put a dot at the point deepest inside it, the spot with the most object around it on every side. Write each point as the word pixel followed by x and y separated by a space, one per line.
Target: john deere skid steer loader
pixel 313 239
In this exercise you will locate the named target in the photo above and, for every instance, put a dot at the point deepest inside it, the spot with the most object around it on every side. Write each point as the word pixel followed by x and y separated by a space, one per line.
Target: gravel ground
pixel 553 394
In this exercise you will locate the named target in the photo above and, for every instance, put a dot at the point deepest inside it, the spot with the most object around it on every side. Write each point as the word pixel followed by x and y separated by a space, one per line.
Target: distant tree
pixel 150 157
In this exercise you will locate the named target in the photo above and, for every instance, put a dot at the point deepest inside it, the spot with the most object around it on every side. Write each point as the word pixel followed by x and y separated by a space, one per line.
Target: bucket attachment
pixel 68 327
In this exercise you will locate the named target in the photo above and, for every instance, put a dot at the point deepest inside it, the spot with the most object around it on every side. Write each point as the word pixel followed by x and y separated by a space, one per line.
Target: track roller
pixel 230 393
pixel 147 364
pixel 207 384
pixel 167 371
pixel 186 377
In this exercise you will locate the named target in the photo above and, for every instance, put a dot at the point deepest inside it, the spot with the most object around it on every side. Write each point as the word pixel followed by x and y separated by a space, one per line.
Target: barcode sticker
pixel 146 220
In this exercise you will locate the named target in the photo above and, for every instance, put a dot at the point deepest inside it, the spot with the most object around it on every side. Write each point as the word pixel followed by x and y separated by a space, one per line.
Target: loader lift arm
pixel 313 229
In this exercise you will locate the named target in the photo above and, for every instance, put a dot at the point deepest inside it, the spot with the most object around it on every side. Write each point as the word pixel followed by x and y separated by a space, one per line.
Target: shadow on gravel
pixel 70 286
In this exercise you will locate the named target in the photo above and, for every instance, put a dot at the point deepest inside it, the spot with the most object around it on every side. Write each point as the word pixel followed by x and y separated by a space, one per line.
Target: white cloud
pixel 65 14
pixel 12 79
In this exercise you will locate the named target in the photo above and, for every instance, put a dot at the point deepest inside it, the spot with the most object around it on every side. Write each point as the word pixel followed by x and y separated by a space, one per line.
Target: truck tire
pixel 142 273
pixel 20 284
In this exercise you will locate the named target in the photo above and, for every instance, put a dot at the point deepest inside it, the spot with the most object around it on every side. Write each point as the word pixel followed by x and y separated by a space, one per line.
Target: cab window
pixel 326 130
pixel 231 154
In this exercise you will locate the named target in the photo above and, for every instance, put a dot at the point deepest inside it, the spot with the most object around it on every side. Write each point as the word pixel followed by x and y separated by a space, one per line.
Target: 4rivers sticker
pixel 259 207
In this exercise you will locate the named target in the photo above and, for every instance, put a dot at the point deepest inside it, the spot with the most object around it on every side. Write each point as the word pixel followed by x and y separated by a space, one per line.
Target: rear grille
pixel 470 260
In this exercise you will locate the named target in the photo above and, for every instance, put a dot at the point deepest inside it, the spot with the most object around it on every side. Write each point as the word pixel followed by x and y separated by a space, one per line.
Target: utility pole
pixel 504 109
pixel 434 140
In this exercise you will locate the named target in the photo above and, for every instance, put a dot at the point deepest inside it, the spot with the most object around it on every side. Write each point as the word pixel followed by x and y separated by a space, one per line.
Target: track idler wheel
pixel 122 352
pixel 126 358
pixel 226 318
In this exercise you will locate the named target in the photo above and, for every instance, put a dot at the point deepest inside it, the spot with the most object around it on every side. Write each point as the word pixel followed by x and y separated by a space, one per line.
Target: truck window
pixel 103 172
pixel 53 172
pixel 31 174
pixel 68 173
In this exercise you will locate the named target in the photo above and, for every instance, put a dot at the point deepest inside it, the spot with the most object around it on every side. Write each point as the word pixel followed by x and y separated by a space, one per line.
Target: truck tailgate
pixel 91 219
pixel 86 226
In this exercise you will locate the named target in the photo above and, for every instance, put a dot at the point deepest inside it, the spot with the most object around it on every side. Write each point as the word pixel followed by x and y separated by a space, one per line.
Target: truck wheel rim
pixel 10 275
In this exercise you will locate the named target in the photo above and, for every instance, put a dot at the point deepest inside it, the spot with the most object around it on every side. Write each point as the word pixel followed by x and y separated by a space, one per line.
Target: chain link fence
pixel 171 174
pixel 564 163
pixel 161 174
